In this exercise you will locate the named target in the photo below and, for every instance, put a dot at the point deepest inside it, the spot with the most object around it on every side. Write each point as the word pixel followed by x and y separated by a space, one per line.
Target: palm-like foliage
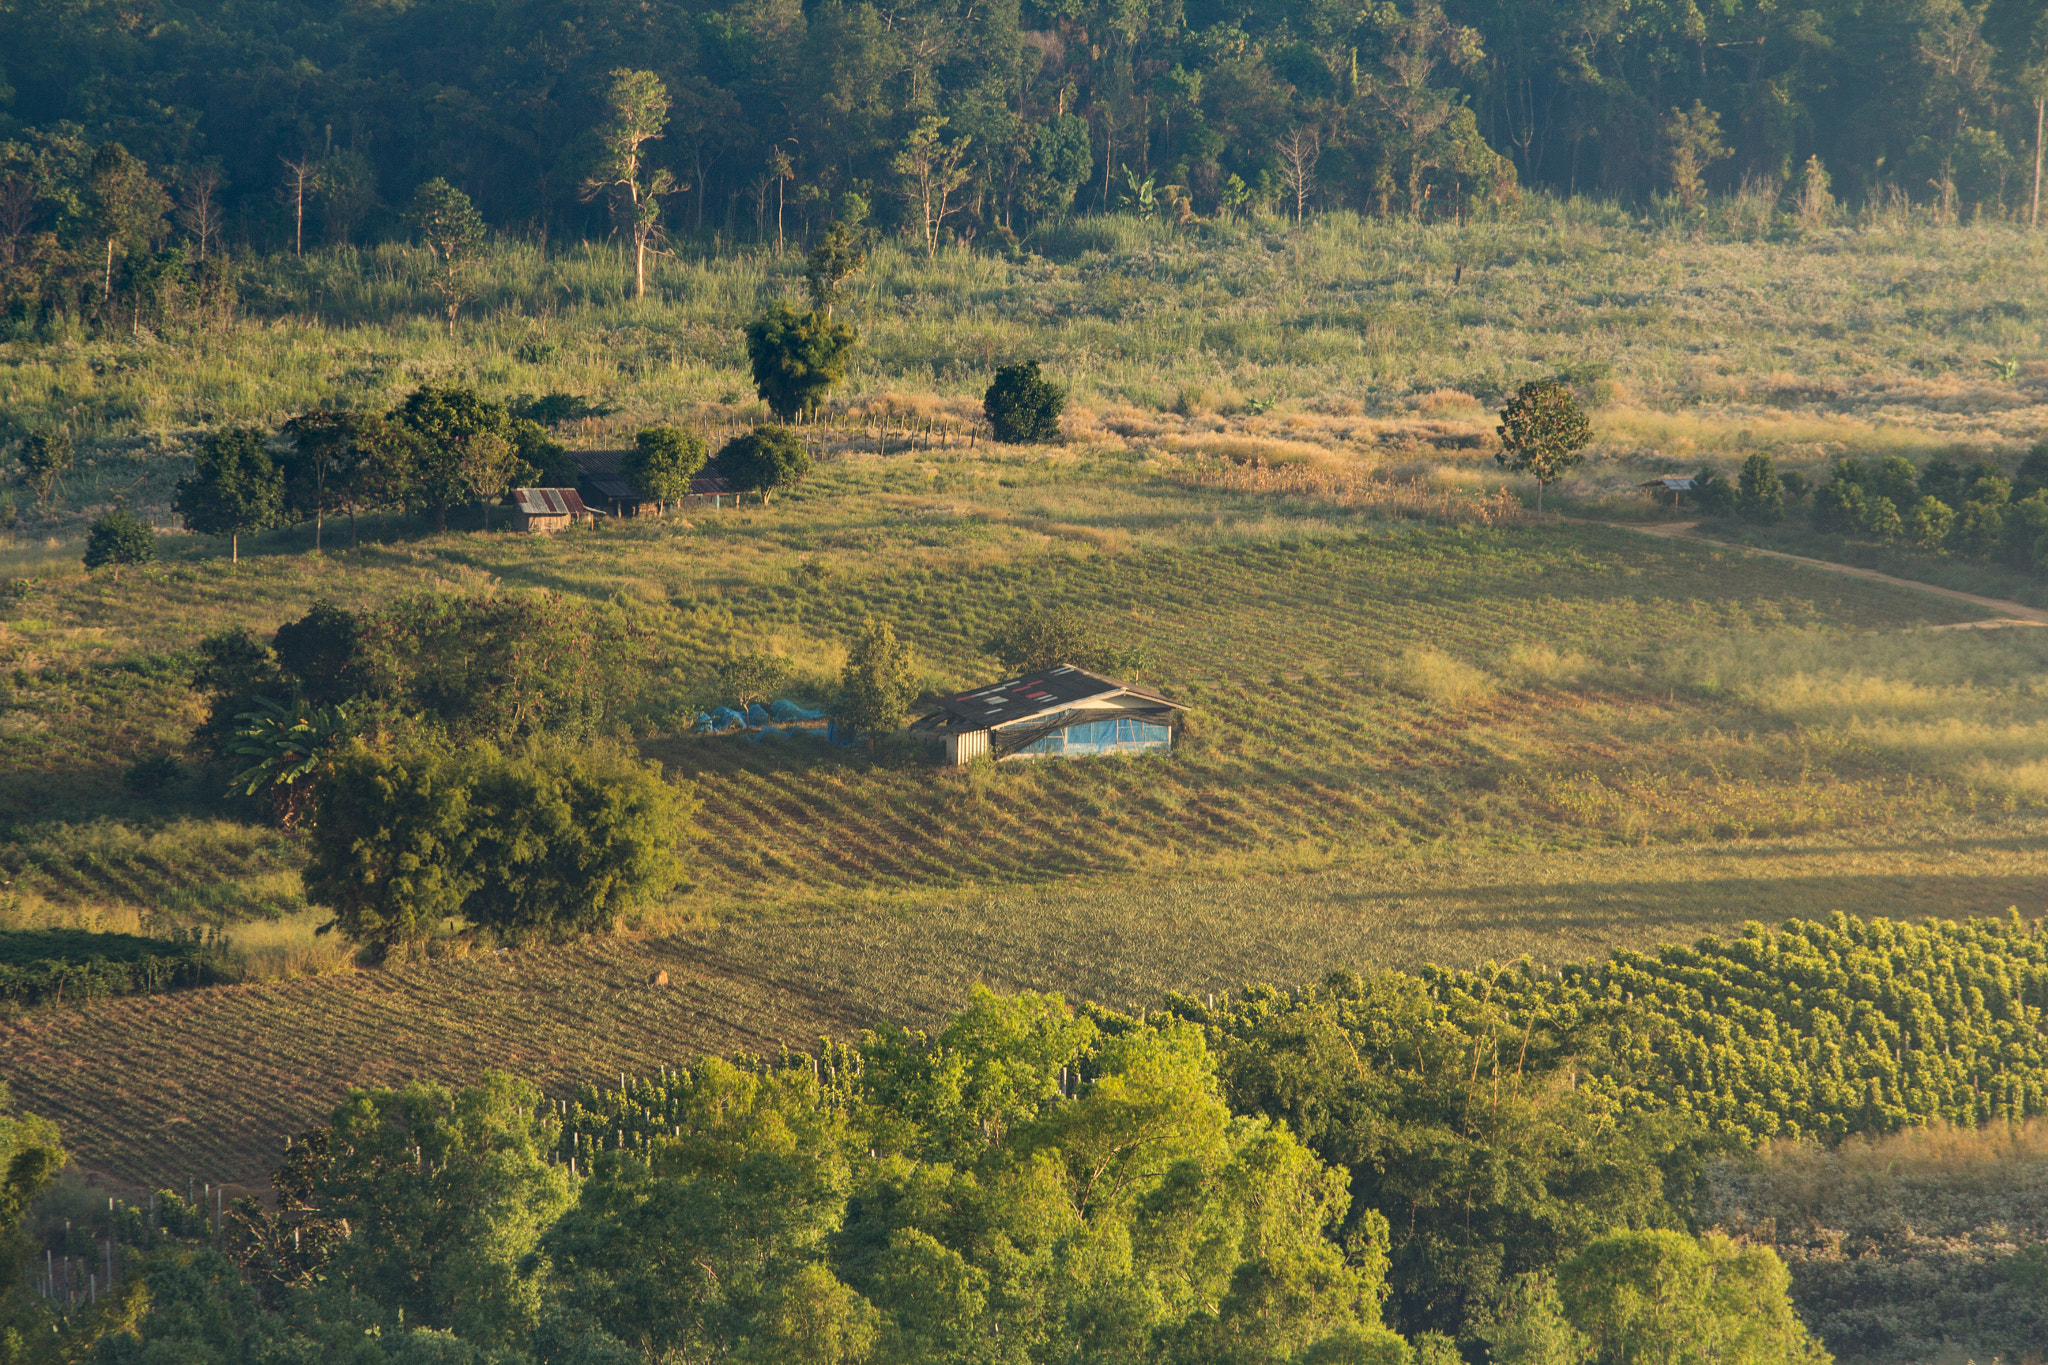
pixel 290 748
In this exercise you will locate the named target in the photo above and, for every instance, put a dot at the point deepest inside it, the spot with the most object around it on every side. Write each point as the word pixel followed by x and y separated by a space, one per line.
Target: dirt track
pixel 2014 614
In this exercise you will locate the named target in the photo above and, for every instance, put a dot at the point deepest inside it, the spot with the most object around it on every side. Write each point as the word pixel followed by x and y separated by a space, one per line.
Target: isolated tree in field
pixel 638 105
pixel 1692 143
pixel 390 848
pixel 1543 432
pixel 119 537
pixel 1299 152
pixel 563 843
pixel 797 358
pixel 879 680
pixel 234 489
pixel 662 462
pixel 1022 406
pixel 765 459
pixel 831 262
pixel 454 232
pixel 44 456
pixel 929 172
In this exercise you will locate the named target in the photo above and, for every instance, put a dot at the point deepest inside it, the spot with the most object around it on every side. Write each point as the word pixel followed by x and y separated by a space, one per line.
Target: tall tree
pixel 797 358
pixel 465 449
pixel 454 232
pixel 127 207
pixel 638 103
pixel 879 679
pixel 1544 432
pixel 929 172
pixel 234 489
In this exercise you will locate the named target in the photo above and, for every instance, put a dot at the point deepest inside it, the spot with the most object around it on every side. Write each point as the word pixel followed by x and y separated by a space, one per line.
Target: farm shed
pixel 546 509
pixel 1062 712
pixel 1668 487
pixel 604 481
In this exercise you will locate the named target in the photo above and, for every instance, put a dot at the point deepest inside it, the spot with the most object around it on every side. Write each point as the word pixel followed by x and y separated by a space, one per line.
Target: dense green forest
pixel 306 122
pixel 1418 1168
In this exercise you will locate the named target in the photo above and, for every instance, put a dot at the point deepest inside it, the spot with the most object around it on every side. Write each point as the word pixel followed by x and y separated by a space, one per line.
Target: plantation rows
pixel 138 1086
pixel 1810 1029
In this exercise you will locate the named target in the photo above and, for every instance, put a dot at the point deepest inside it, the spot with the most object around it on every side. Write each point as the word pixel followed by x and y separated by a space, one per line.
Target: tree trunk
pixel 2040 113
pixel 639 263
pixel 234 547
pixel 440 518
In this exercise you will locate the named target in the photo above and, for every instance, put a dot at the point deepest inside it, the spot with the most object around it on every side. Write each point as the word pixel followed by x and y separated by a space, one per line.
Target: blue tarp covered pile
pixel 776 720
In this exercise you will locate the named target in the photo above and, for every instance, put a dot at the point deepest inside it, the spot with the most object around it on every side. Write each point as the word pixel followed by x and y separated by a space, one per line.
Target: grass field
pixel 1425 726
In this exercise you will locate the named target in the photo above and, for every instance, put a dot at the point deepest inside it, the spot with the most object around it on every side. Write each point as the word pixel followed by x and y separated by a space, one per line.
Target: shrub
pixel 563 843
pixel 765 459
pixel 119 538
pixel 1543 431
pixel 1022 406
pixel 1896 479
pixel 879 679
pixel 2024 532
pixel 797 358
pixel 662 462
pixel 44 456
pixel 1980 525
pixel 1665 1296
pixel 1795 485
pixel 1759 494
pixel 2032 475
pixel 148 776
pixel 1712 495
pixel 322 653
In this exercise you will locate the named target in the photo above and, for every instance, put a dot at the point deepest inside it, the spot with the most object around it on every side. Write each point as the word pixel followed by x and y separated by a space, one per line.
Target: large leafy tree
pixel 879 679
pixel 235 488
pixel 662 462
pixel 565 842
pixel 1666 1298
pixel 637 104
pixel 466 449
pixel 797 358
pixel 390 854
pixel 765 459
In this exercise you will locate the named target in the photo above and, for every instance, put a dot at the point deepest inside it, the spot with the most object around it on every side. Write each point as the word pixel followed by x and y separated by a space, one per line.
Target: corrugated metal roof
pixel 548 502
pixel 1035 694
pixel 1670 483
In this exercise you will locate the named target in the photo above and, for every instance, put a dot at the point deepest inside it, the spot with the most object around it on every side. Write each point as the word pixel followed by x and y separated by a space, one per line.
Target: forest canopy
pixel 292 125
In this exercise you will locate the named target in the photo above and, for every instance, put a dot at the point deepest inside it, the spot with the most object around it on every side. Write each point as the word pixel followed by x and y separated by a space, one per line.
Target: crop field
pixel 1426 725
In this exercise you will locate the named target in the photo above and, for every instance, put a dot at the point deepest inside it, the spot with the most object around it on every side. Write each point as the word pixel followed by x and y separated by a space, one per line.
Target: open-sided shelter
pixel 546 509
pixel 1061 712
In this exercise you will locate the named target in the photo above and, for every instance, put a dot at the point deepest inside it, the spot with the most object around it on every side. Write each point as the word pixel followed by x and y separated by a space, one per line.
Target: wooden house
pixel 1061 712
pixel 543 510
pixel 604 484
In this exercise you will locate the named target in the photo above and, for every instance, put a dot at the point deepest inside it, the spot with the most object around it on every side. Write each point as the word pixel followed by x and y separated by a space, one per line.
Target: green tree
pixel 743 676
pixel 233 670
pixel 1759 496
pixel 325 469
pixel 765 459
pixel 832 261
pixel 464 449
pixel 929 172
pixel 322 654
pixel 454 233
pixel 1022 406
pixel 1712 495
pixel 662 462
pixel 1664 1298
pixel 564 842
pixel 796 358
pixel 234 489
pixel 1692 143
pixel 119 537
pixel 879 679
pixel 1840 506
pixel 390 848
pixel 1527 1326
pixel 1881 521
pixel 44 456
pixel 638 105
pixel 445 1197
pixel 126 205
pixel 1060 161
pixel 1543 432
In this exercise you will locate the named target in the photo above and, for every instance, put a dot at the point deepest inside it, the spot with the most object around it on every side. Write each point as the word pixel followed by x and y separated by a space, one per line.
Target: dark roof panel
pixel 1036 694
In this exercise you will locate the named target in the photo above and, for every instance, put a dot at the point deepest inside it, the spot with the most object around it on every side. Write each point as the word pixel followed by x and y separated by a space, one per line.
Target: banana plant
pixel 292 747
pixel 1140 196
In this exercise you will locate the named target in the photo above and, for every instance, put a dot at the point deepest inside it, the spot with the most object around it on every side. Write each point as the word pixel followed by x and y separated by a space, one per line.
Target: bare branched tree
pixel 199 206
pixel 298 183
pixel 1299 152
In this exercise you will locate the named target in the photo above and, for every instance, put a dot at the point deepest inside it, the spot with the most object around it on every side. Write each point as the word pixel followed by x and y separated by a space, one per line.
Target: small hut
pixel 1062 712
pixel 544 510
pixel 1667 488
pixel 604 482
